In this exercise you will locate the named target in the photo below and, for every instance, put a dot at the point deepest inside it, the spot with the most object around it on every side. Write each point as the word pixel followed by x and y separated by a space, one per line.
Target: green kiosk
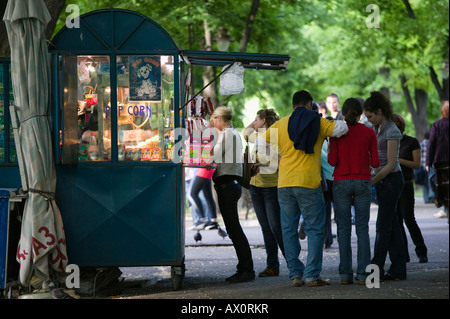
pixel 118 91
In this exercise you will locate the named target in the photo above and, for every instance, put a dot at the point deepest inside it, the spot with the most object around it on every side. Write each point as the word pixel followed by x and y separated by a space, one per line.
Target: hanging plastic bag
pixel 232 80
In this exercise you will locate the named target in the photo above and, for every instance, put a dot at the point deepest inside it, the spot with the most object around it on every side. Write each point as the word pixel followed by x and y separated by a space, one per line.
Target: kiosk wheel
pixel 177 275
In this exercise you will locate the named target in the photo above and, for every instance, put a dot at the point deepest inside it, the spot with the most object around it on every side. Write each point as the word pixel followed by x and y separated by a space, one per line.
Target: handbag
pixel 250 169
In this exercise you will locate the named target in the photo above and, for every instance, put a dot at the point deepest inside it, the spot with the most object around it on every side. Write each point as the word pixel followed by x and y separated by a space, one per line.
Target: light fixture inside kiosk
pixel 145 112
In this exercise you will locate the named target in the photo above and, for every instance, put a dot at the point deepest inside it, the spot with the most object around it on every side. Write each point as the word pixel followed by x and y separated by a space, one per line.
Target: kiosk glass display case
pixel 145 108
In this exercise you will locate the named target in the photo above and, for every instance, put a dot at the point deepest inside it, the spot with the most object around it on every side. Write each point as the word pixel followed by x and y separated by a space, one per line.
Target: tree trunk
pixel 54 8
pixel 418 112
pixel 442 90
pixel 248 26
pixel 385 73
pixel 209 71
pixel 409 9
pixel 4 43
pixel 420 121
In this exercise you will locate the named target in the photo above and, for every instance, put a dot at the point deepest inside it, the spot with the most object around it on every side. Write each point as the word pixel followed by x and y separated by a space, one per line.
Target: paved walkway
pixel 213 259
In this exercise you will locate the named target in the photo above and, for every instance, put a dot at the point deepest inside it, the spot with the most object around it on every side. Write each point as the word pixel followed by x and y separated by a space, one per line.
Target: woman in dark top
pixel 409 157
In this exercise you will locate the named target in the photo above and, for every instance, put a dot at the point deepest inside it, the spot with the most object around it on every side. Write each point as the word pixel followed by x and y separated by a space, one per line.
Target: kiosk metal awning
pixel 259 61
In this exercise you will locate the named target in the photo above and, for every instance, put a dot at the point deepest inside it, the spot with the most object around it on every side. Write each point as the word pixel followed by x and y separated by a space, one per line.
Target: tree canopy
pixel 346 47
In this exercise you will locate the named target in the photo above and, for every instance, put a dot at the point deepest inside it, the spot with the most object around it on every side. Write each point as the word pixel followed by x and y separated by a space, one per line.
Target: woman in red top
pixel 352 155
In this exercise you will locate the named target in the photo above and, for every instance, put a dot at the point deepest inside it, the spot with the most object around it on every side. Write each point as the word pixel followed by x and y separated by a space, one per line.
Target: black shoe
pixel 241 276
pixel 301 231
pixel 423 259
pixel 391 277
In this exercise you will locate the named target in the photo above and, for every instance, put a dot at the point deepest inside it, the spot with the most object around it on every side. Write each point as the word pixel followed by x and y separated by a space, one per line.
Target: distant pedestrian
pixel 437 156
pixel 201 183
pixel 421 174
pixel 388 181
pixel 409 158
pixel 322 109
pixel 332 103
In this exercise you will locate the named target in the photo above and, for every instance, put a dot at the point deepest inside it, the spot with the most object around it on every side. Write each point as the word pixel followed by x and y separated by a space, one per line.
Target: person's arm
pixel 392 149
pixel 374 157
pixel 340 128
pixel 415 163
pixel 217 151
pixel 248 131
pixel 332 154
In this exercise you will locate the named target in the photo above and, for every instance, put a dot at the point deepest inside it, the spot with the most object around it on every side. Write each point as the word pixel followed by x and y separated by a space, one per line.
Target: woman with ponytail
pixel 352 156
pixel 388 180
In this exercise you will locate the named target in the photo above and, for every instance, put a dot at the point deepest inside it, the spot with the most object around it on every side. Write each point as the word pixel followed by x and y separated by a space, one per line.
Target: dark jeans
pixel 388 232
pixel 228 194
pixel 405 210
pixel 328 196
pixel 267 209
pixel 200 184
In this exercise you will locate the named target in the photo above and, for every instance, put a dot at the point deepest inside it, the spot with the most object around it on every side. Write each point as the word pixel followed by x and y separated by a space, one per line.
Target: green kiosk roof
pixel 248 60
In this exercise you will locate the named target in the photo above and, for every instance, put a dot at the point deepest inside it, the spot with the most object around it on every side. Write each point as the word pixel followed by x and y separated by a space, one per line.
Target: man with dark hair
pixel 300 137
pixel 333 105
pixel 301 98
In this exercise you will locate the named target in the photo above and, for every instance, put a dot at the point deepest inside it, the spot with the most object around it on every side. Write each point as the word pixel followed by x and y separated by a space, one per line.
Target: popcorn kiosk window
pixel 93 94
pixel 144 109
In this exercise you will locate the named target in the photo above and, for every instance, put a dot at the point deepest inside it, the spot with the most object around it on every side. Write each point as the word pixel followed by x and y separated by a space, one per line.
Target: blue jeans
pixel 203 185
pixel 357 192
pixel 389 238
pixel 311 204
pixel 267 209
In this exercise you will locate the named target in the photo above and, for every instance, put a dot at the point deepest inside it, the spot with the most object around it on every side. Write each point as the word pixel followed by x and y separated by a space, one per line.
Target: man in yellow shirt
pixel 299 137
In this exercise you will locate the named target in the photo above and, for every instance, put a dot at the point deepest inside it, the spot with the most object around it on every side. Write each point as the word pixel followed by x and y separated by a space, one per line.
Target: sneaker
pixel 318 283
pixel 297 282
pixel 301 231
pixel 269 272
pixel 241 276
pixel 200 226
pixel 440 214
pixel 212 225
pixel 346 282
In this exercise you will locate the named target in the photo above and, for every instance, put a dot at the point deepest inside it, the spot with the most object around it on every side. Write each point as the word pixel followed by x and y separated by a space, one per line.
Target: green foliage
pixel 330 46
